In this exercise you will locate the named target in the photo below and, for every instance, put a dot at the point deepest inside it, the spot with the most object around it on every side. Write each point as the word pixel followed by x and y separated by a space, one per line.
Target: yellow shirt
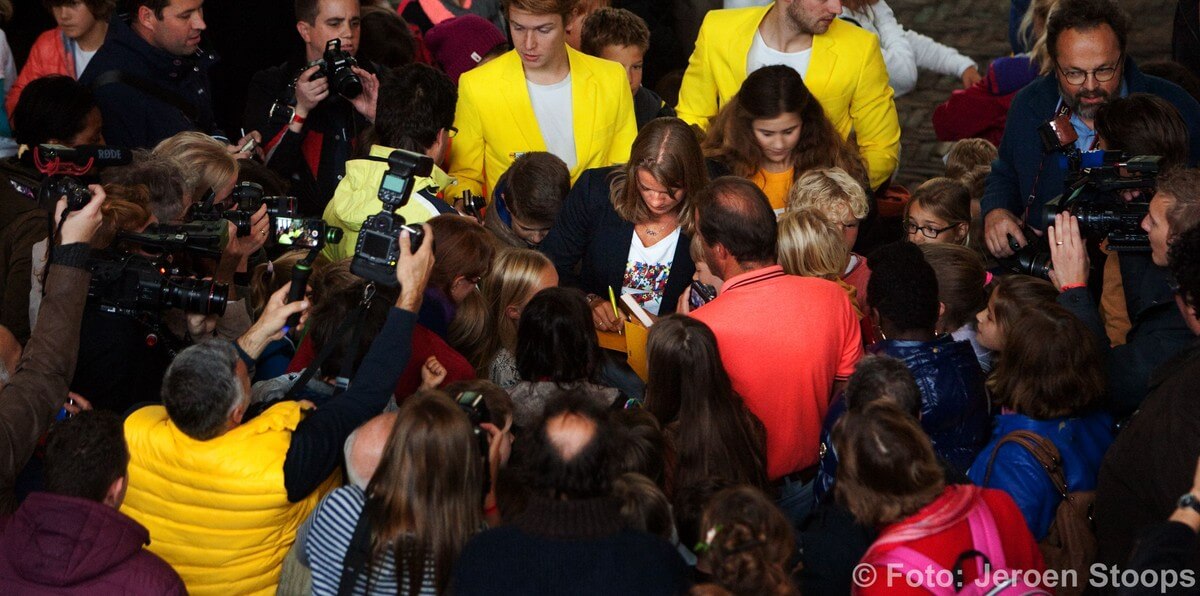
pixel 775 186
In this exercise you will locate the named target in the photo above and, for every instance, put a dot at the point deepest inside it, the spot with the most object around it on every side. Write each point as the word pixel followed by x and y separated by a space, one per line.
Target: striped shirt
pixel 329 538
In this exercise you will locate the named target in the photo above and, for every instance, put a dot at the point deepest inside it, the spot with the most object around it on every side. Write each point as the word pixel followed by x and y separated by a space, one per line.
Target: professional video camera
pixel 64 166
pixel 336 65
pixel 378 248
pixel 134 284
pixel 203 238
pixel 1106 191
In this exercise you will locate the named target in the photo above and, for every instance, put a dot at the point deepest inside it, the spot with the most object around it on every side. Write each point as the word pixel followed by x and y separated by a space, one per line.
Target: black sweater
pixel 568 547
pixel 316 447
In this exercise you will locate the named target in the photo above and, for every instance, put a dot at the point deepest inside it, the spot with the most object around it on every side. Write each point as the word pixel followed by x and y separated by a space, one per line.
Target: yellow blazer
pixel 846 74
pixel 496 123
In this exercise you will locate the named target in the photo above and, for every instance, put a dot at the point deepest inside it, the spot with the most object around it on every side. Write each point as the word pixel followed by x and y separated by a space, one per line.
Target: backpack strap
pixel 1041 449
pixel 904 558
pixel 986 536
pixel 357 555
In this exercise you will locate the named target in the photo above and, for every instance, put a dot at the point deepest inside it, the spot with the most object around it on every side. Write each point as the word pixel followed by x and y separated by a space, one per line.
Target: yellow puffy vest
pixel 217 510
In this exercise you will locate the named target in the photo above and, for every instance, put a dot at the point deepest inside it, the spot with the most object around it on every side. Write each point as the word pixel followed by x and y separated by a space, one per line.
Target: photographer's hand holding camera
pixel 38 388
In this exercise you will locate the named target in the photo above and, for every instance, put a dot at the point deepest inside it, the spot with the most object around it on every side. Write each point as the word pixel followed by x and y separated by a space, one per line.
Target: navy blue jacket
pixel 1021 156
pixel 133 118
pixel 1081 443
pixel 954 408
pixel 589 243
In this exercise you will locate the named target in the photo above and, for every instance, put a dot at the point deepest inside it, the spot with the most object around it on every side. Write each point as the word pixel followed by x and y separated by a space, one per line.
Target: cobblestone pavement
pixel 983 36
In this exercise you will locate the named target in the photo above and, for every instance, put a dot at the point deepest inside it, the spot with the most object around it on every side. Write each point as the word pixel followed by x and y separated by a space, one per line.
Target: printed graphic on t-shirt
pixel 645 282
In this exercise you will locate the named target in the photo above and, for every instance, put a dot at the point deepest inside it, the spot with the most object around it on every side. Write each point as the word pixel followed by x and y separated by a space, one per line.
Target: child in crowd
pixel 961 280
pixel 843 200
pixel 1012 295
pixel 939 211
pixel 516 276
pixel 747 545
pixel 527 199
pixel 967 154
pixel 623 37
pixel 810 245
pixel 463 43
pixel 66 49
pixel 774 130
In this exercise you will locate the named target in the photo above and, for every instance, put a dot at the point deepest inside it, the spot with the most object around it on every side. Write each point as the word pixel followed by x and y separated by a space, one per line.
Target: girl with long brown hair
pixel 422 505
pixel 710 433
pixel 774 130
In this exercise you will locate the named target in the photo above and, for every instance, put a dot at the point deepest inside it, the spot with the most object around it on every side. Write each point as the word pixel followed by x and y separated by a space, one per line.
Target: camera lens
pixel 199 296
pixel 347 83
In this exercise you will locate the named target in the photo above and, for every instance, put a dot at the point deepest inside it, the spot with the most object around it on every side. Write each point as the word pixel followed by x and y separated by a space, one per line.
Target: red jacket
pixel 425 343
pixel 65 545
pixel 49 56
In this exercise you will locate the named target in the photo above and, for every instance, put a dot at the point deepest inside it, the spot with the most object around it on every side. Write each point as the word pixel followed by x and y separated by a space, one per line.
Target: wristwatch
pixel 1189 501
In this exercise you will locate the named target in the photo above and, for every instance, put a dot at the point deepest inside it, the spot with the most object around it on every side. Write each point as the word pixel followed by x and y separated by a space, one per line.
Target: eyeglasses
pixel 452 132
pixel 926 231
pixel 1103 74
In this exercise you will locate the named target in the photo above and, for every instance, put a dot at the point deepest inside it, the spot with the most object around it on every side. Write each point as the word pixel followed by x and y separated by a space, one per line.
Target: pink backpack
pixel 988 555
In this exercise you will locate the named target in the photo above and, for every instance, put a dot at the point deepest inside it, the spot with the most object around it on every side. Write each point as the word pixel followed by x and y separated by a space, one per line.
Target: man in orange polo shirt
pixel 787 342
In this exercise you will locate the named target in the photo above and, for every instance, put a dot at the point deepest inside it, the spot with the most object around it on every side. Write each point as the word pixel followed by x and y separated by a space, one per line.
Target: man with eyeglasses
pixel 415 112
pixel 1090 66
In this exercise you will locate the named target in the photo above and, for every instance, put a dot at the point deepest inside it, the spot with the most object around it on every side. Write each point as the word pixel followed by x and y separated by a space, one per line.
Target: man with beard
pixel 841 65
pixel 1089 67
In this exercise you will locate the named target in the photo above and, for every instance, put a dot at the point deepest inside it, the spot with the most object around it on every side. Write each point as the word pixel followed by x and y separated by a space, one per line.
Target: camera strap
pixel 349 332
pixel 170 98
pixel 356 555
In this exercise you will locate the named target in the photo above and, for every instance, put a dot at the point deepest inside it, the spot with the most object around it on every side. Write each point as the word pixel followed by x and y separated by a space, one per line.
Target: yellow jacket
pixel 496 123
pixel 846 74
pixel 217 510
pixel 357 198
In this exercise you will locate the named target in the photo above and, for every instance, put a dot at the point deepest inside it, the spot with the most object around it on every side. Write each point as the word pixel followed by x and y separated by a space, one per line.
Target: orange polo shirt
pixel 784 340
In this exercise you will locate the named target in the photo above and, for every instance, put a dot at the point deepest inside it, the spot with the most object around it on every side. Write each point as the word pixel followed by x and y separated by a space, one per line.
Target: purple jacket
pixel 65 545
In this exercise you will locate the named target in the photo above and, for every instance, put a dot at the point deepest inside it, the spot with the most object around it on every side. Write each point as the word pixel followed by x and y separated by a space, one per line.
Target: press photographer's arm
pixel 38 387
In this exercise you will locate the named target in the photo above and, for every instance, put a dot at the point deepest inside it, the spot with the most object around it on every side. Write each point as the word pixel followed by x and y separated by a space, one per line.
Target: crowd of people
pixel 516 297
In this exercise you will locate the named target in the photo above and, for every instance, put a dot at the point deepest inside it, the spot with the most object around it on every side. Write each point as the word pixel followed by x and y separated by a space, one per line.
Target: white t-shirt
pixel 82 58
pixel 552 107
pixel 647 270
pixel 763 55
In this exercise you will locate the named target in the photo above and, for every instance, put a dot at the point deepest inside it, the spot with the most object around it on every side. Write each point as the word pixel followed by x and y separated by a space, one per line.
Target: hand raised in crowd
pixel 997 226
pixel 500 442
pixel 366 101
pixel 81 225
pixel 970 76
pixel 309 93
pixel 1068 252
pixel 413 269
pixel 432 374
pixel 269 326
pixel 252 153
pixel 199 325
pixel 76 403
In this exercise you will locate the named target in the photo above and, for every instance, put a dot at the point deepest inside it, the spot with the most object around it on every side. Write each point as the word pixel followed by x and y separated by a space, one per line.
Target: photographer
pixel 1140 125
pixel 1089 66
pixel 416 113
pixel 308 127
pixel 37 390
pixel 235 488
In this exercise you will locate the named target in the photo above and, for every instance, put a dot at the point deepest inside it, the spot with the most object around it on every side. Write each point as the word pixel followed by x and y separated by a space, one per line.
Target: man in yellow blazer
pixel 541 96
pixel 841 65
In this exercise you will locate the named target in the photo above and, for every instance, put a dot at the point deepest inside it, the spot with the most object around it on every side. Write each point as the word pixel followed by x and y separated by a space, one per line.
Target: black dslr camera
pixel 336 66
pixel 64 166
pixel 134 284
pixel 248 199
pixel 378 248
pixel 1094 192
